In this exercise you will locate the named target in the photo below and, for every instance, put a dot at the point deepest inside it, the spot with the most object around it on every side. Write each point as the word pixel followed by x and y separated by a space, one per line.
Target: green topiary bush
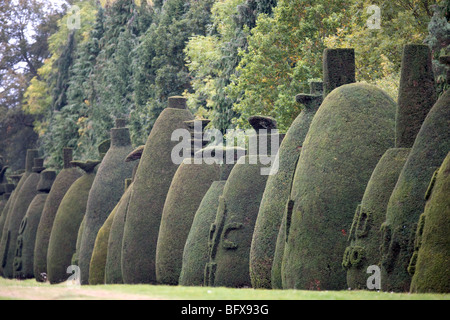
pixel 113 267
pixel 23 199
pixel 431 258
pixel 24 255
pixel 98 259
pixel 70 213
pixel 196 249
pixel 370 214
pixel 231 234
pixel 5 240
pixel 67 176
pixel 150 187
pixel 6 200
pixel 105 193
pixel 267 252
pixel 350 132
pixel 407 203
pixel 417 93
pixel 189 185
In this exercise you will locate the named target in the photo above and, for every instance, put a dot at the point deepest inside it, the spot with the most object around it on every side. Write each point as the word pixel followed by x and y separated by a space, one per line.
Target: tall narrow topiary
pixel 23 199
pixel 417 93
pixel 196 249
pixel 431 259
pixel 265 266
pixel 71 211
pixel 66 177
pixel 105 193
pixel 6 197
pixel 350 132
pixel 365 234
pixel 407 203
pixel 5 240
pixel 338 68
pixel 232 232
pixel 189 185
pixel 152 182
pixel 23 261
pixel 113 266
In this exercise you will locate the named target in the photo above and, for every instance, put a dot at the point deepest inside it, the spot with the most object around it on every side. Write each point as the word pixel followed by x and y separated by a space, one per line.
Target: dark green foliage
pixel 267 252
pixel 105 193
pixel 350 132
pixel 196 249
pixel 63 181
pixel 18 210
pixel 432 244
pixel 189 185
pixel 407 200
pixel 24 255
pixel 113 267
pixel 151 184
pixel 232 231
pixel 64 234
pixel 370 214
pixel 338 68
pixel 417 93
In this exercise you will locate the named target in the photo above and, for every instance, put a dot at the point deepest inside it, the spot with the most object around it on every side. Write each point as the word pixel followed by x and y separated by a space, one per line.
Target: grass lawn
pixel 31 290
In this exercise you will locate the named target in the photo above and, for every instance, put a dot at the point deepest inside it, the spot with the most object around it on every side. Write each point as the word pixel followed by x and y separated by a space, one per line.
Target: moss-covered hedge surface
pixel 24 197
pixel 338 68
pixel 24 255
pixel 150 187
pixel 189 185
pixel 7 199
pixel 417 93
pixel 64 234
pixel 113 267
pixel 232 232
pixel 106 191
pixel 431 259
pixel 276 194
pixel 196 249
pixel 63 182
pixel 78 243
pixel 5 240
pixel 365 234
pixel 407 200
pixel 351 131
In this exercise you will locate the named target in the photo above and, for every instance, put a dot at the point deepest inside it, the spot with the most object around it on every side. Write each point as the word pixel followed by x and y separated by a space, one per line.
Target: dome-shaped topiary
pixel 24 255
pixel 431 259
pixel 6 201
pixel 152 181
pixel 231 233
pixel 70 213
pixel 113 266
pixel 105 193
pixel 26 194
pixel 350 132
pixel 370 214
pixel 265 265
pixel 417 93
pixel 189 185
pixel 196 249
pixel 407 203
pixel 66 177
pixel 5 240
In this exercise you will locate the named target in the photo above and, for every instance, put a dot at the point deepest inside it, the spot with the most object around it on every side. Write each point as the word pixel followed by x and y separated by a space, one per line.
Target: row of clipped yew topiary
pixel 352 190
